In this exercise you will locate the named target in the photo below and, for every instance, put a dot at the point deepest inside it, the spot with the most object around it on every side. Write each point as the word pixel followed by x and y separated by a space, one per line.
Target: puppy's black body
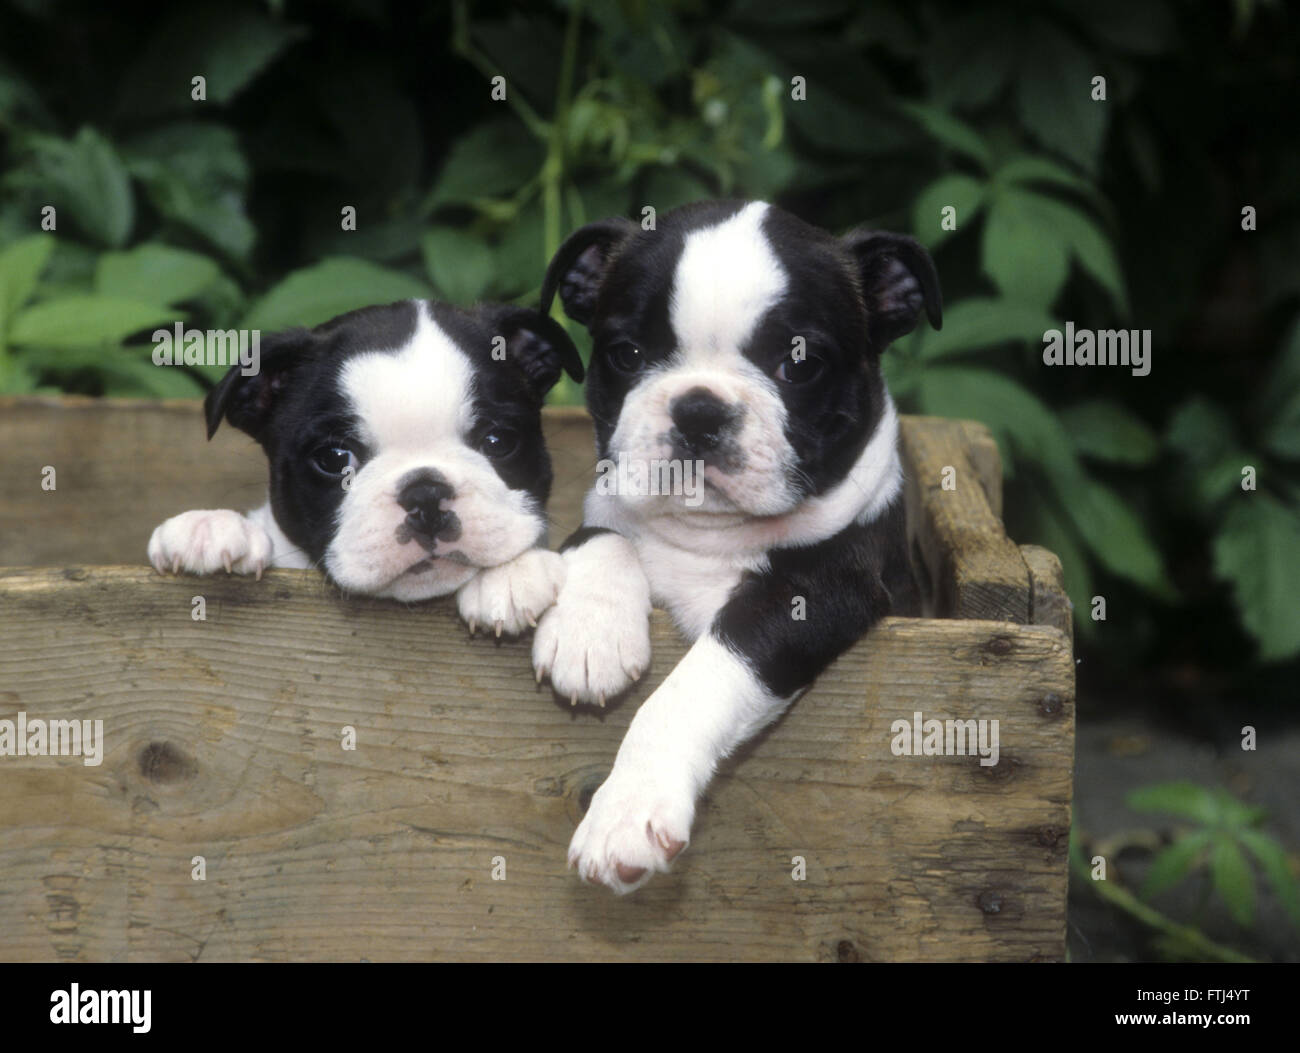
pixel 859 576
pixel 744 340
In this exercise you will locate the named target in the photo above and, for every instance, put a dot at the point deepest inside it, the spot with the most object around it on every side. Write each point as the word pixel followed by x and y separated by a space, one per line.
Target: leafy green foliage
pixel 316 294
pixel 1225 840
pixel 1109 214
pixel 1256 550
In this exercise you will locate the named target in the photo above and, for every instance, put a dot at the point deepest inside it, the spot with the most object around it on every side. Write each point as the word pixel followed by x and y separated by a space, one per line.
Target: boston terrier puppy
pixel 406 459
pixel 739 345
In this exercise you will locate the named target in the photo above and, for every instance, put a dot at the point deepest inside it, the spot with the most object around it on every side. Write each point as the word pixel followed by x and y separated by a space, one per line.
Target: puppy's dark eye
pixel 334 460
pixel 799 371
pixel 626 358
pixel 499 443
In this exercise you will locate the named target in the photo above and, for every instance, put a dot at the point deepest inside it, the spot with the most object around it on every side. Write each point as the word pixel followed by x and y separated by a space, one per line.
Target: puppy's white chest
pixel 691 586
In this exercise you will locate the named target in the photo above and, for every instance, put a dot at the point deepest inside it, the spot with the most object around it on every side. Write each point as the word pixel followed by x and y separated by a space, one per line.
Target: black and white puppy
pixel 406 459
pixel 739 340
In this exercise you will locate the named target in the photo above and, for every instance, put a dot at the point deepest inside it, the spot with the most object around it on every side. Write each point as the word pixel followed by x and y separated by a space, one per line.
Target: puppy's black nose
pixel 422 498
pixel 701 418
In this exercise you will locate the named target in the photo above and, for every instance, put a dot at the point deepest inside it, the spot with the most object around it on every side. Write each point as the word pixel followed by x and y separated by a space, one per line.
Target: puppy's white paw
pixel 206 541
pixel 592 645
pixel 510 598
pixel 638 823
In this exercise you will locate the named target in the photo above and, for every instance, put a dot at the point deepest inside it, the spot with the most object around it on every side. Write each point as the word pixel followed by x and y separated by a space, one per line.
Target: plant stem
pixel 554 168
pixel 464 47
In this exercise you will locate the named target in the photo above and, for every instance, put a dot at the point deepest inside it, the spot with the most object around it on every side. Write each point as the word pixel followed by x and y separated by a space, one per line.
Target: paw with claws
pixel 592 646
pixel 638 823
pixel 206 541
pixel 510 598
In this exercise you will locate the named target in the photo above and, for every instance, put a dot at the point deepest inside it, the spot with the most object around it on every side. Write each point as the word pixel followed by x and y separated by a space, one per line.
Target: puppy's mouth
pixel 429 563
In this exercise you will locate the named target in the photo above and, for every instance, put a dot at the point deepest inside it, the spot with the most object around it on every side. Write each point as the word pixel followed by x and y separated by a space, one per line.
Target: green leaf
pixel 1114 533
pixel 962 192
pixel 1174 863
pixel 1233 879
pixel 85 180
pixel 1028 238
pixel 458 263
pixel 490 160
pixel 980 322
pixel 1186 799
pixel 85 321
pixel 196 176
pixel 970 56
pixel 154 272
pixel 1054 91
pixel 520 256
pixel 316 294
pixel 837 125
pixel 1028 168
pixel 1018 420
pixel 1027 259
pixel 17 377
pixel 1203 434
pixel 227 45
pixel 1277 870
pixel 131 376
pixel 1282 435
pixel 1107 431
pixel 1088 245
pixel 1255 552
pixel 1235 814
pixel 20 267
pixel 952 132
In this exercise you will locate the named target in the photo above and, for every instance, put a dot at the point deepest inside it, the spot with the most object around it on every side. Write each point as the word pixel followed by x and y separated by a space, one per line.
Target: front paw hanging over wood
pixel 510 598
pixel 208 540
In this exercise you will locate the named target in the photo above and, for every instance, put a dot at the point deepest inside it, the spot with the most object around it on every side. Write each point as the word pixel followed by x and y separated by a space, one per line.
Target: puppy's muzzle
pixel 422 495
pixel 701 422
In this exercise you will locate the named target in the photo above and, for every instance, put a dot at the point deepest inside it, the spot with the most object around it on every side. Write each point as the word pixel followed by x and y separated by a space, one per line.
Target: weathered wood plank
pixel 124 465
pixel 975 570
pixel 223 740
pixel 1050 603
pixel 982 451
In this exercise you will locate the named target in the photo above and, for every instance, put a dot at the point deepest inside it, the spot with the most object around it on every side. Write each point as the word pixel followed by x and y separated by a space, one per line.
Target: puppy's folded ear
pixel 580 266
pixel 538 344
pixel 898 279
pixel 248 401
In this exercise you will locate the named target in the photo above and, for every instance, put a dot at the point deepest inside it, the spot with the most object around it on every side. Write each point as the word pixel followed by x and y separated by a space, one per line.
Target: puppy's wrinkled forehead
pixel 727 278
pixel 413 395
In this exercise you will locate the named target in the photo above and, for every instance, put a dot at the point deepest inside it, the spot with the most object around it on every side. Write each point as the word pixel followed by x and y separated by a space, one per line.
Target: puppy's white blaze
pixel 412 398
pixel 415 405
pixel 727 278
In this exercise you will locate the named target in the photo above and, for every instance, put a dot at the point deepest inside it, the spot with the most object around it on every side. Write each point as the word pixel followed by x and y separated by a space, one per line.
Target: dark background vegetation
pixel 1118 213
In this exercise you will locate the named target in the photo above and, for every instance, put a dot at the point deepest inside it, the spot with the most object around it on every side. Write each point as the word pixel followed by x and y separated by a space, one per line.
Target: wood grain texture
pixel 1050 605
pixel 125 465
pixel 975 570
pixel 982 452
pixel 223 740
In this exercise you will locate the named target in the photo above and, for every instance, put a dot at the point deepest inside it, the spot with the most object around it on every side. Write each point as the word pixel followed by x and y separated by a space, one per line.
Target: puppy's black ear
pixel 580 266
pixel 248 401
pixel 538 344
pixel 898 279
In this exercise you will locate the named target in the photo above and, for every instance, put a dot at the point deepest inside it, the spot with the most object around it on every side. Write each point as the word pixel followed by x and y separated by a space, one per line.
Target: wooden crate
pixel 223 740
